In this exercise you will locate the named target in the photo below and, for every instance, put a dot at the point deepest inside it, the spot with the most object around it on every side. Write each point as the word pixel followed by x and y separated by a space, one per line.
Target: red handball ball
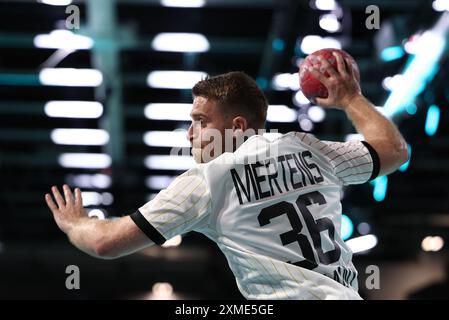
pixel 311 87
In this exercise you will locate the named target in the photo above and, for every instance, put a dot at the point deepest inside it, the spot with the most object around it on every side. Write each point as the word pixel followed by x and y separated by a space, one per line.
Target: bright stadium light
pixel 411 45
pixel 108 198
pixel 316 113
pixel 98 181
pixel 158 182
pixel 162 291
pixel 85 160
pixel 281 113
pixel 80 137
pixel 440 5
pixel 421 67
pixel 286 81
pixel 180 42
pixel 56 2
pixel 300 99
pixel 392 83
pixel 432 243
pixel 325 5
pixel 306 124
pixel 313 43
pixel 160 162
pixel 91 198
pixel 174 79
pixel 63 39
pixel 363 243
pixel 166 139
pixel 330 23
pixel 70 77
pixel 183 3
pixel 74 109
pixel 101 181
pixel 168 111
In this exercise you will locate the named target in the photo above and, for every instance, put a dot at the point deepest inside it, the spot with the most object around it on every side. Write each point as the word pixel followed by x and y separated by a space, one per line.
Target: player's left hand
pixel 68 210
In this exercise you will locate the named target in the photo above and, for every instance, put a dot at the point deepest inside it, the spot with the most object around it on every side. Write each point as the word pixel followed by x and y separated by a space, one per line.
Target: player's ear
pixel 239 123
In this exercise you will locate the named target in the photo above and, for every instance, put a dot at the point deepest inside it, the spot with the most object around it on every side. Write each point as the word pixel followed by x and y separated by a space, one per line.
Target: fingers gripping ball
pixel 310 86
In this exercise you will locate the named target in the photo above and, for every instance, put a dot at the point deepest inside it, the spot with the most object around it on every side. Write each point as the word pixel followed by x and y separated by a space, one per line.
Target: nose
pixel 189 134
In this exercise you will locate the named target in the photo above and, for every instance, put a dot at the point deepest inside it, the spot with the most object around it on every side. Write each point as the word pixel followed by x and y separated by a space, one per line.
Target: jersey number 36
pixel 297 234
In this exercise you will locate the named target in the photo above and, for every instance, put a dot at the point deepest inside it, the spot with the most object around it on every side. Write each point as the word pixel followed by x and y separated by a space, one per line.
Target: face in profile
pixel 207 131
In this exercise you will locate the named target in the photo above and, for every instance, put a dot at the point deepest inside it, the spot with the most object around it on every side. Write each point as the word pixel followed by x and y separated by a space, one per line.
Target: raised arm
pixel 106 239
pixel 345 94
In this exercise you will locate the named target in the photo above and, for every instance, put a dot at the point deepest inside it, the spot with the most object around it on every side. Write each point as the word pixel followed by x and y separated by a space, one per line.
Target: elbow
pixel 396 156
pixel 402 153
pixel 392 156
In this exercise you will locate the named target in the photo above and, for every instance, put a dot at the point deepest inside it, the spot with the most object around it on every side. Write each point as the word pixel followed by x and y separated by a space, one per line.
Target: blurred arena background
pixel 100 107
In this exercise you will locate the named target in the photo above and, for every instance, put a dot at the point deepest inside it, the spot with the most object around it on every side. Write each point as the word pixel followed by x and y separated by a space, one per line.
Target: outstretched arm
pixel 378 131
pixel 106 239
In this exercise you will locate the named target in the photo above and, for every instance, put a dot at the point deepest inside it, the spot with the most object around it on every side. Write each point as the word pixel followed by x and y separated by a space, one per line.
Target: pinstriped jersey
pixel 273 208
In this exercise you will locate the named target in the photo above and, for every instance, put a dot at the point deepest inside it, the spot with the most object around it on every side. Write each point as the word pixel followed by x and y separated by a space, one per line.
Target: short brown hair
pixel 238 91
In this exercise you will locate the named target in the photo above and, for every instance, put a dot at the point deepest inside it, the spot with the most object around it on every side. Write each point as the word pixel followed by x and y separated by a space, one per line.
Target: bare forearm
pixel 88 236
pixel 379 132
pixel 108 239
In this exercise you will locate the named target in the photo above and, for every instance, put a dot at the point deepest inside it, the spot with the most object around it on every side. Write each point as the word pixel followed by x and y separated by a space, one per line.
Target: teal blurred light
pixel 19 79
pixel 347 227
pixel 380 188
pixel 262 83
pixel 411 108
pixel 421 68
pixel 278 44
pixel 404 167
pixel 432 120
pixel 392 53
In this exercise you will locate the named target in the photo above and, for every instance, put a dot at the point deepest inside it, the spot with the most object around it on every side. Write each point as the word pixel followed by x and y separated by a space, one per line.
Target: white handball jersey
pixel 273 208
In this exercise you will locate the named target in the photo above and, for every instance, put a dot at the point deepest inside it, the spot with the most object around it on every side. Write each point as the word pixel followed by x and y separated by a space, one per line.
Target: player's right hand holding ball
pixel 341 83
